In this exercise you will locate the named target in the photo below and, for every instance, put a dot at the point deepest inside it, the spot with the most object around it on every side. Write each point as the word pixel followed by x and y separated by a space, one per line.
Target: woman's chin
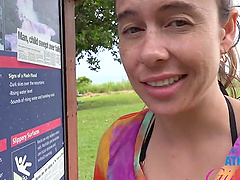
pixel 165 111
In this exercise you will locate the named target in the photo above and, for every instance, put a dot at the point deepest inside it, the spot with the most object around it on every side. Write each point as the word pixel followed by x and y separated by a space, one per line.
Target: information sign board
pixel 31 91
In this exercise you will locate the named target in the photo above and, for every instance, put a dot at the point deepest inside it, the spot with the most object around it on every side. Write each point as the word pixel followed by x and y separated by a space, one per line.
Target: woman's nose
pixel 154 49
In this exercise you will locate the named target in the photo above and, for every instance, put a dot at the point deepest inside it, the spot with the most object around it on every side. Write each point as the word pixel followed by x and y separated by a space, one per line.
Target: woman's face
pixel 170 50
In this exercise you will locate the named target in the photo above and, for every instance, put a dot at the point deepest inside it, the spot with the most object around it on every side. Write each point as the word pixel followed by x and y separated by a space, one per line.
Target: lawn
pixel 95 115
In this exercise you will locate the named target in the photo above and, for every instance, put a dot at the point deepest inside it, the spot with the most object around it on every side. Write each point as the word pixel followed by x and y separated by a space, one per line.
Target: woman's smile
pixel 165 82
pixel 165 88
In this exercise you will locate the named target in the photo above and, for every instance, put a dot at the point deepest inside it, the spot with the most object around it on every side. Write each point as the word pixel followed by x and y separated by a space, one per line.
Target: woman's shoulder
pixel 123 124
pixel 130 119
pixel 122 133
pixel 126 126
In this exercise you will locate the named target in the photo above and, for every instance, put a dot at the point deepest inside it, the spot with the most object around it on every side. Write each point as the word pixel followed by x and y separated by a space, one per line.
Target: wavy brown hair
pixel 229 79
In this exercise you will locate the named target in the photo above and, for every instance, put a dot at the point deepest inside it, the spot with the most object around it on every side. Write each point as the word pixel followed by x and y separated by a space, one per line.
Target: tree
pixel 96 30
pixel 83 80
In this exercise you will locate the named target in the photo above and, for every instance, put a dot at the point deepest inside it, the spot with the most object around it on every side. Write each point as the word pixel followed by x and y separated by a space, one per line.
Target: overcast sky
pixel 110 70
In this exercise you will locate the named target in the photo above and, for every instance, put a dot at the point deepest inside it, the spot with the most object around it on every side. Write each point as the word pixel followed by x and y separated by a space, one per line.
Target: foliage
pixel 105 87
pixel 100 112
pixel 96 30
pixel 83 80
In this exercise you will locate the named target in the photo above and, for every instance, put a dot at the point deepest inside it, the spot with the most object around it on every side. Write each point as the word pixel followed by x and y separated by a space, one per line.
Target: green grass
pixel 108 100
pixel 104 88
pixel 96 114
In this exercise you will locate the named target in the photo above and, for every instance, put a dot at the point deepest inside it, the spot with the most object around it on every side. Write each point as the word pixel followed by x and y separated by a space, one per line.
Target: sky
pixel 110 70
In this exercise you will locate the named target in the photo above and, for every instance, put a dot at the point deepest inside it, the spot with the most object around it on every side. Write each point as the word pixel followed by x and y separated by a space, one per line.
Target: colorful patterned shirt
pixel 120 147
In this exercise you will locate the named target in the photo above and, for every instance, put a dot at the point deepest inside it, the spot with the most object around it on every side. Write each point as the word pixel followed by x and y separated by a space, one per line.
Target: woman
pixel 171 51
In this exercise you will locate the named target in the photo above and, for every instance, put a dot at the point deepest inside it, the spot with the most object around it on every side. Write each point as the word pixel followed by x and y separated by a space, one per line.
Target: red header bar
pixel 3 145
pixel 12 62
pixel 34 132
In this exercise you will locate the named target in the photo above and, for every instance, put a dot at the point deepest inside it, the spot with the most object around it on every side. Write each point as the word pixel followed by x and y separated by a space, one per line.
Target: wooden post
pixel 70 80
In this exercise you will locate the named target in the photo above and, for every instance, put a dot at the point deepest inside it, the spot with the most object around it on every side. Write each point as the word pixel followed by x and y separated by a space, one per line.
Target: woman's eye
pixel 132 30
pixel 178 23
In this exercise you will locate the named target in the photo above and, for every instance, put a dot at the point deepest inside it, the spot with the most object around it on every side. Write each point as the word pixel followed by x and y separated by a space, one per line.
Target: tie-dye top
pixel 120 147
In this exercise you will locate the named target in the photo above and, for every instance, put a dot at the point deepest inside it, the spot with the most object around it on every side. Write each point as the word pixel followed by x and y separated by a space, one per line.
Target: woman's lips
pixel 164 88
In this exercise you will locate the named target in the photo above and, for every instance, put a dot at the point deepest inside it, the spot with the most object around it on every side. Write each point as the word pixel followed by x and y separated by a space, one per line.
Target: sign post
pixel 38 136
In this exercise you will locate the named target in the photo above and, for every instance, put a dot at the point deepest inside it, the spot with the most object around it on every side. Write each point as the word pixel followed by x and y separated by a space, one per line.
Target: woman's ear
pixel 228 31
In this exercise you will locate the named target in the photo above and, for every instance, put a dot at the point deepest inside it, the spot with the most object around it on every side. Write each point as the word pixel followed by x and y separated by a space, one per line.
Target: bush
pixel 104 88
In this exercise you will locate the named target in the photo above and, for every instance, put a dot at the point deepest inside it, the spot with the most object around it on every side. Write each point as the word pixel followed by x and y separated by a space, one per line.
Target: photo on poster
pixel 33 16
pixel 1 26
